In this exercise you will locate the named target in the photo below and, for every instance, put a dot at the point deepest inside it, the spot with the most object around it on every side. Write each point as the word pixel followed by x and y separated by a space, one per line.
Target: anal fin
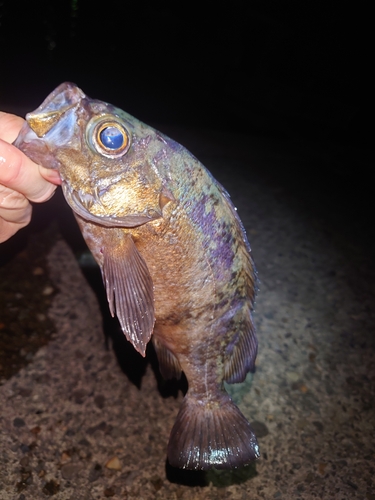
pixel 130 291
pixel 240 354
pixel 169 365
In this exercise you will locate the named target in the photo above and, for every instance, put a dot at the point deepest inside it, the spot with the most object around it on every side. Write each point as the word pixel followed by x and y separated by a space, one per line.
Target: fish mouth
pixel 64 98
pixel 81 202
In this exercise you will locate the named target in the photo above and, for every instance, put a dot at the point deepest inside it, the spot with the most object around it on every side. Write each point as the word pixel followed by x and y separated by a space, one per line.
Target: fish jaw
pixel 80 200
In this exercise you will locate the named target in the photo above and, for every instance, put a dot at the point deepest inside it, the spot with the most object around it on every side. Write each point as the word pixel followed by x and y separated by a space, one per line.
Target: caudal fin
pixel 211 434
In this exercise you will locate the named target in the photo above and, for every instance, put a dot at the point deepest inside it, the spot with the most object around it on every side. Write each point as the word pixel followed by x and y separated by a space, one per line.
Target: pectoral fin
pixel 129 291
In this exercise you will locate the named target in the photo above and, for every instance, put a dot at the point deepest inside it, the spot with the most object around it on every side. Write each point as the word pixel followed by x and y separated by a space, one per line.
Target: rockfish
pixel 174 258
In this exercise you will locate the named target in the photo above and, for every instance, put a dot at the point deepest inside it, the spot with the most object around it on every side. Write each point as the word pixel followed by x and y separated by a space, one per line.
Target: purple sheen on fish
pixel 174 257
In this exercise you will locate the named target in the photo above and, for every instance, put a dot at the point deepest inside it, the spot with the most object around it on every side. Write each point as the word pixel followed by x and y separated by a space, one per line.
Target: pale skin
pixel 21 180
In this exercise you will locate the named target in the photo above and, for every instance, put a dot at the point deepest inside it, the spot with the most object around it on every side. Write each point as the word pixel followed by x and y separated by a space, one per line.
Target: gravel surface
pixel 87 418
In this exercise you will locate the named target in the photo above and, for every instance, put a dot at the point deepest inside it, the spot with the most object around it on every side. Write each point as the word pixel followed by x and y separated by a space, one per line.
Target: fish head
pixel 107 159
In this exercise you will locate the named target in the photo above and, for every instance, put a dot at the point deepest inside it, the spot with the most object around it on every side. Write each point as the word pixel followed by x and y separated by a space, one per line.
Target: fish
pixel 174 257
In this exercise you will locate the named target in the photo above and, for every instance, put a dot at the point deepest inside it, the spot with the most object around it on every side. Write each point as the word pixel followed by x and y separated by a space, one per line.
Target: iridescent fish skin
pixel 174 257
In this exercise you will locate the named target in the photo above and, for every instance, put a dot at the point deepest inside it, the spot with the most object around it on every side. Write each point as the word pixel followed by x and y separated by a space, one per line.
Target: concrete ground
pixel 87 418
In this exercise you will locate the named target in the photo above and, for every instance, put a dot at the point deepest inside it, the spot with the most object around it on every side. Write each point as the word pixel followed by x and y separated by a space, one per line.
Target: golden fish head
pixel 112 166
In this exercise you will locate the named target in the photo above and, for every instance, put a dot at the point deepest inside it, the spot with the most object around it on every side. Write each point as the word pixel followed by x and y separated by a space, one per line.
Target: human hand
pixel 21 180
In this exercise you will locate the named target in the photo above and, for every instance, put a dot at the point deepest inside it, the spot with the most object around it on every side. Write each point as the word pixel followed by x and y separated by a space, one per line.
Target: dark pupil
pixel 111 138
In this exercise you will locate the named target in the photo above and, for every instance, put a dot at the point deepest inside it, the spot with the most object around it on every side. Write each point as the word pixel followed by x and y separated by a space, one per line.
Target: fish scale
pixel 174 258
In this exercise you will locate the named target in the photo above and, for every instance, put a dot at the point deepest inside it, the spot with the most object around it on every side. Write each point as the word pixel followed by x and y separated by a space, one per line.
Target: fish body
pixel 174 258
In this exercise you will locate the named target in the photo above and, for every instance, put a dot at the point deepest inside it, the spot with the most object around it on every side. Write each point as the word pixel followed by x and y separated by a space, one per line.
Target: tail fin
pixel 211 434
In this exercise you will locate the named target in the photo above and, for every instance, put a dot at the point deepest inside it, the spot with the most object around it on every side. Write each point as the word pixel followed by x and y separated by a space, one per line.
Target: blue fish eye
pixel 112 138
pixel 109 137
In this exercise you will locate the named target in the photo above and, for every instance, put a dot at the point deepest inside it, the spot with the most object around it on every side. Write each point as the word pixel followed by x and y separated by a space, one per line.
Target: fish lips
pixel 77 201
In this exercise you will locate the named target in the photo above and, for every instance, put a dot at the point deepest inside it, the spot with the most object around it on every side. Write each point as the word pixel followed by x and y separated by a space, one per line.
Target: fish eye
pixel 110 138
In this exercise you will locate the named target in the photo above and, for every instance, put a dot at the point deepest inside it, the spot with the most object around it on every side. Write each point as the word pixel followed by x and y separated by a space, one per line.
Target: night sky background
pixel 289 71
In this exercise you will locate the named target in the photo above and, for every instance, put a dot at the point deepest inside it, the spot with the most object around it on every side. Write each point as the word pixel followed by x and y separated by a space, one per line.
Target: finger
pixel 50 175
pixel 14 207
pixel 8 229
pixel 21 174
pixel 10 125
pixel 15 212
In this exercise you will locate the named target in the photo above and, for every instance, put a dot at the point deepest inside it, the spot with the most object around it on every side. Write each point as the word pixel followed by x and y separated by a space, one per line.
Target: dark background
pixel 295 73
pixel 284 67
